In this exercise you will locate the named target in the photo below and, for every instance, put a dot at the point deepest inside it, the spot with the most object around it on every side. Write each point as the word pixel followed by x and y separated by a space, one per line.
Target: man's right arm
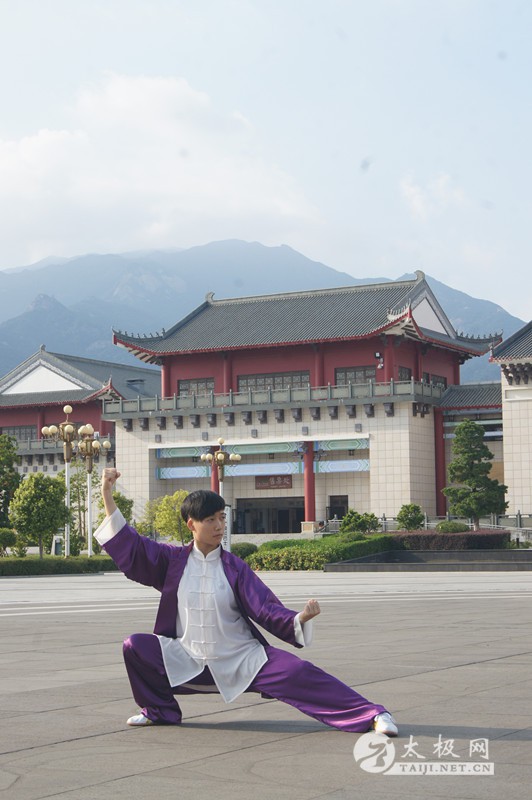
pixel 139 558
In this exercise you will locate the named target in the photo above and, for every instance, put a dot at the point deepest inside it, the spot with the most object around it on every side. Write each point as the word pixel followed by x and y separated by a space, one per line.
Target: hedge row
pixel 279 544
pixel 315 554
pixel 50 565
pixel 287 554
pixel 472 540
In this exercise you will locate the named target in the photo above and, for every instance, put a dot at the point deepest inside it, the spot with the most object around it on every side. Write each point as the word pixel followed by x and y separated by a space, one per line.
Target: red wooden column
pixel 228 373
pixel 215 483
pixel 419 376
pixel 310 483
pixel 165 381
pixel 389 361
pixel 318 366
pixel 441 472
pixel 40 423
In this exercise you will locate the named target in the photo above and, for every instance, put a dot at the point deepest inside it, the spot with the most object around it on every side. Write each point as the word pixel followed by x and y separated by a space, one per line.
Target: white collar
pixel 214 555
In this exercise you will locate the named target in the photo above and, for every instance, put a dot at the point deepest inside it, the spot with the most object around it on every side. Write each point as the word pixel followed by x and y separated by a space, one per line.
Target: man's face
pixel 208 532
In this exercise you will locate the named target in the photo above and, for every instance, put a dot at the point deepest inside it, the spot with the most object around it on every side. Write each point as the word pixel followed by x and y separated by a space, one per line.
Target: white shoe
pixel 385 723
pixel 139 719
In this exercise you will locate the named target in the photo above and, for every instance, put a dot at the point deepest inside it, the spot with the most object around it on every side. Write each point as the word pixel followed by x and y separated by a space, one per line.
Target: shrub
pixel 8 538
pixel 49 565
pixel 350 536
pixel 76 544
pixel 278 544
pixel 410 517
pixel 450 526
pixel 20 549
pixel 354 521
pixel 472 540
pixel 316 553
pixel 243 549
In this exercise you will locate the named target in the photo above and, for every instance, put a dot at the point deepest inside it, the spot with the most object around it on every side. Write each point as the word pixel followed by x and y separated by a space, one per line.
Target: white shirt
pixel 210 628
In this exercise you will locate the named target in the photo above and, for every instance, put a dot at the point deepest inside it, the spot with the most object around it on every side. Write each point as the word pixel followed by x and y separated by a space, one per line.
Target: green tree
pixel 168 520
pixel 9 477
pixel 363 523
pixel 473 493
pixel 410 517
pixel 146 525
pixel 38 509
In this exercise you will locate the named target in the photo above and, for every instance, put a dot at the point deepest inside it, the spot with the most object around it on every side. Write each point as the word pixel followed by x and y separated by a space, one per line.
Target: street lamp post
pixel 66 433
pixel 217 457
pixel 87 447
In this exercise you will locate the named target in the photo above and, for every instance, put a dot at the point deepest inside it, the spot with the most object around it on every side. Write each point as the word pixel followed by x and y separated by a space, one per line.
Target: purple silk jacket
pixel 162 566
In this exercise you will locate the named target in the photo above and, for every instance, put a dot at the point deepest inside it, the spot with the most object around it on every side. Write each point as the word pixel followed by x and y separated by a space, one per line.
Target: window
pixel 405 373
pixel 195 386
pixel 345 375
pixel 21 432
pixel 438 380
pixel 274 380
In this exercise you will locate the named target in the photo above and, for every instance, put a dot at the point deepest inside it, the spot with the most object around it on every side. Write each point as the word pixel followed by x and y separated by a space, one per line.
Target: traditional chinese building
pixel 329 397
pixel 515 357
pixel 33 395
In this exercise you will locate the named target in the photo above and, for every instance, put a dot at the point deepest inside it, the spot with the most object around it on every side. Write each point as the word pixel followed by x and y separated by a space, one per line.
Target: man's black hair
pixel 201 504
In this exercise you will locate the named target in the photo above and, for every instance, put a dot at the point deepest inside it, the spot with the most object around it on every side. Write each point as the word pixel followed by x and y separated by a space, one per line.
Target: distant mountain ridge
pixel 70 305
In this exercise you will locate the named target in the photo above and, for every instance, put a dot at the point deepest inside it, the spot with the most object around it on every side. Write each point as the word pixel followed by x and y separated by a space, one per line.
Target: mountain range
pixel 71 305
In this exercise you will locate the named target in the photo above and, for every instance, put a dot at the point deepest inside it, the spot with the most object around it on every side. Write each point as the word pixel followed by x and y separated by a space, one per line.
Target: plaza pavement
pixel 449 653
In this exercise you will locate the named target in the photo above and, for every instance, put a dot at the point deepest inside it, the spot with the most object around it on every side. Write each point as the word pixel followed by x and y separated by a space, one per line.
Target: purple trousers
pixel 284 677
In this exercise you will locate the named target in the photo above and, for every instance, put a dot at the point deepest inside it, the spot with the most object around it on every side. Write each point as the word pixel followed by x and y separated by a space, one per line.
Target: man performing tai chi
pixel 204 637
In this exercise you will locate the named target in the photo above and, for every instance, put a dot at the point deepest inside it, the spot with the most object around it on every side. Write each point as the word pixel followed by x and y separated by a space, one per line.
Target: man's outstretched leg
pixel 308 688
pixel 149 683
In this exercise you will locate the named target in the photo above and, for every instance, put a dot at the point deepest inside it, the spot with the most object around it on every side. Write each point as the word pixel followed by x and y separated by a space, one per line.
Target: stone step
pixel 436 560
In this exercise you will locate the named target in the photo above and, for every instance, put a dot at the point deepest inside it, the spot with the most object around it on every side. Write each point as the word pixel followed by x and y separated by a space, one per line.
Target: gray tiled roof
pixel 472 395
pixel 517 347
pixel 95 375
pixel 280 318
pixel 293 318
pixel 44 398
pixel 129 381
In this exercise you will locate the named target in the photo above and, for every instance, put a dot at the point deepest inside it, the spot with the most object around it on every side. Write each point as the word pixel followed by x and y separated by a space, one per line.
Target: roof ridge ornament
pixel 471 337
pixel 395 315
pixel 209 298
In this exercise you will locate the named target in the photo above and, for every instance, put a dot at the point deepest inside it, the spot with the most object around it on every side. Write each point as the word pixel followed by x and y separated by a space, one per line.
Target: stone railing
pixel 354 392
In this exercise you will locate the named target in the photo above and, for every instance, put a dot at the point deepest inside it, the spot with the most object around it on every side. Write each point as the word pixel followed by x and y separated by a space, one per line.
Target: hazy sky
pixel 377 136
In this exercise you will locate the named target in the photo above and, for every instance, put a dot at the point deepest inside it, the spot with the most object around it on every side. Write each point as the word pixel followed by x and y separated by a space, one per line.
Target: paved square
pixel 449 653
